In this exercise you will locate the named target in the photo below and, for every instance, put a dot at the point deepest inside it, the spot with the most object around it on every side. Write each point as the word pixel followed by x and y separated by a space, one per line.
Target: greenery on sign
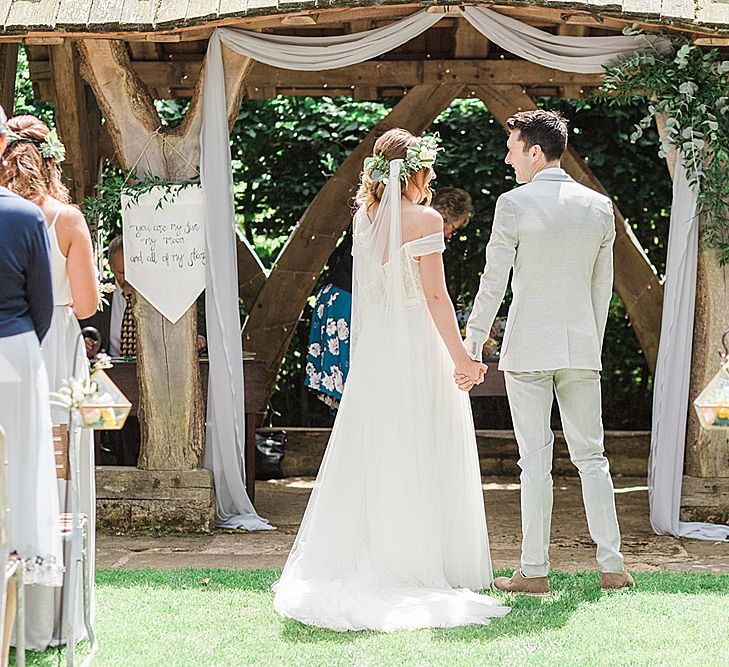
pixel 105 206
pixel 690 89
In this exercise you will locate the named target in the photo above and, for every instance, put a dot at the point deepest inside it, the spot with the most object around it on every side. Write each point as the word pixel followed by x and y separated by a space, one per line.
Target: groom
pixel 557 237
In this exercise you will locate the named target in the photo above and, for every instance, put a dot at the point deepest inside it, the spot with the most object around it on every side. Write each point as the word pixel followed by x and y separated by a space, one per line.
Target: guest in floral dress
pixel 327 362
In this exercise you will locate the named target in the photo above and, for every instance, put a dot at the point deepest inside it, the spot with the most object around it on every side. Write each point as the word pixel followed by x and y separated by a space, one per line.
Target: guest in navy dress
pixel 26 309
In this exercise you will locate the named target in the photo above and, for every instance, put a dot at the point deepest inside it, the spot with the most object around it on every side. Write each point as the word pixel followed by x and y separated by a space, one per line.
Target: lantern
pixel 107 408
pixel 712 405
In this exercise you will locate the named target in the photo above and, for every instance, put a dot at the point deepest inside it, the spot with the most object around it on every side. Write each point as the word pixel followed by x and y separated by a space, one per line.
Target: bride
pixel 394 536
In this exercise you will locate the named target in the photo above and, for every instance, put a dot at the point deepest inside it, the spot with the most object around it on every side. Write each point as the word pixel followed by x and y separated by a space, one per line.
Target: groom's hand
pixel 469 375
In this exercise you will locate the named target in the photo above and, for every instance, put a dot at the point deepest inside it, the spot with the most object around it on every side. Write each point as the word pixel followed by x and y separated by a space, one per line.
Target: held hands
pixel 469 373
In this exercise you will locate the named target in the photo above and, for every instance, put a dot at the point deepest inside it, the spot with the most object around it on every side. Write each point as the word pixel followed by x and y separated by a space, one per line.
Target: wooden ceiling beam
pixel 178 77
pixel 601 18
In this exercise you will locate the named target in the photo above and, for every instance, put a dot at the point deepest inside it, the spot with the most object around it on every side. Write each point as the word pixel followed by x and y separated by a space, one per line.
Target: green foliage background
pixel 285 149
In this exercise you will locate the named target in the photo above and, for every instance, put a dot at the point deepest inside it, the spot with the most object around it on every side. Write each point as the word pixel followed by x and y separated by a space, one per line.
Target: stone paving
pixel 283 503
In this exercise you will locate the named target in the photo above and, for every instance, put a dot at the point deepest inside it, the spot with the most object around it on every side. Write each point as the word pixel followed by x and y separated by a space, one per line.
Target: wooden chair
pixel 13 571
pixel 74 529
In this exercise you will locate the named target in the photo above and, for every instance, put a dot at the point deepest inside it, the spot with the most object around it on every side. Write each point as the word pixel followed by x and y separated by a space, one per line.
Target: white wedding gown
pixel 394 536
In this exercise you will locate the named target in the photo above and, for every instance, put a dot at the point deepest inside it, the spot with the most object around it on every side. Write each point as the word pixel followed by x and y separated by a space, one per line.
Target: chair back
pixel 60 450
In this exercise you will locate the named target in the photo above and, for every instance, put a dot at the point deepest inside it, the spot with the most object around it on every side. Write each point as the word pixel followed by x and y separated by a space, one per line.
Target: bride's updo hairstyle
pixel 393 145
pixel 30 167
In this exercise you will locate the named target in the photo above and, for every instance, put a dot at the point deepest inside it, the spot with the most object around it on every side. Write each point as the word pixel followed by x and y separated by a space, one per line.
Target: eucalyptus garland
pixel 106 203
pixel 690 89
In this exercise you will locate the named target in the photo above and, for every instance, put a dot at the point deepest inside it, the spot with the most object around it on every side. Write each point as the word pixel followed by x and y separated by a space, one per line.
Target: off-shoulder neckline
pixel 422 238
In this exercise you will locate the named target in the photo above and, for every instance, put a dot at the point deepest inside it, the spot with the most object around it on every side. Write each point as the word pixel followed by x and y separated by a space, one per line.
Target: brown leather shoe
pixel 518 583
pixel 616 581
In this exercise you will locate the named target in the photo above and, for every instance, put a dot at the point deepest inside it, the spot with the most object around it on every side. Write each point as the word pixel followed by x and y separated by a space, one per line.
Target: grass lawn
pixel 225 617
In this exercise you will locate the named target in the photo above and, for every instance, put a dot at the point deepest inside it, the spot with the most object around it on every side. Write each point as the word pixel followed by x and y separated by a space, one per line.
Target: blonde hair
pixel 24 170
pixel 392 145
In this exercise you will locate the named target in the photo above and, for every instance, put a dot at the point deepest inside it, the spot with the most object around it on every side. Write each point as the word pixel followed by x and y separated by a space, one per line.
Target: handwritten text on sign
pixel 164 249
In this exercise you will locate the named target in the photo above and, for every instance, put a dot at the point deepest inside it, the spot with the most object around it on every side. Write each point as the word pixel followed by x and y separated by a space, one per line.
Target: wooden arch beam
pixel 636 280
pixel 279 305
pixel 78 120
pixel 8 67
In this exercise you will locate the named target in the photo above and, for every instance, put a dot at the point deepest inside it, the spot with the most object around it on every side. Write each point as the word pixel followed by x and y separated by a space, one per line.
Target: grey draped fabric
pixel 673 371
pixel 318 53
pixel 569 54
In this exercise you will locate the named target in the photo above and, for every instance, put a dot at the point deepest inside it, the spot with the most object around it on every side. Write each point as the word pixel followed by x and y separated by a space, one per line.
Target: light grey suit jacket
pixel 557 236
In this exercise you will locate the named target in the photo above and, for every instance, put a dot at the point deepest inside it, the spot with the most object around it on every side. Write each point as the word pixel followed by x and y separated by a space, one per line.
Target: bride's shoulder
pixel 428 219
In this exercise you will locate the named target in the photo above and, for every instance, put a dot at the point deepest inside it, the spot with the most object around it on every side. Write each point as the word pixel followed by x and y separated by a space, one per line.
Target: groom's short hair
pixel 546 129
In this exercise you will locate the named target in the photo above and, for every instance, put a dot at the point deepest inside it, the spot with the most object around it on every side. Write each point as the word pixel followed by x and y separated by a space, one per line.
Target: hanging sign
pixel 165 253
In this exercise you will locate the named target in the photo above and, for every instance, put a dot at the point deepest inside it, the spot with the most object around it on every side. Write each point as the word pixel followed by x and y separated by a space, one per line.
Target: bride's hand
pixel 469 373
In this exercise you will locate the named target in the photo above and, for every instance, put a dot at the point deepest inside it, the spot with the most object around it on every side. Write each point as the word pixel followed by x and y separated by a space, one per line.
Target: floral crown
pixel 50 147
pixel 420 155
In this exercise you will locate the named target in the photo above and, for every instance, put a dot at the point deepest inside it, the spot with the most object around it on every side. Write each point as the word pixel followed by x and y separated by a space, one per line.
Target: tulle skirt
pixel 31 472
pixel 394 536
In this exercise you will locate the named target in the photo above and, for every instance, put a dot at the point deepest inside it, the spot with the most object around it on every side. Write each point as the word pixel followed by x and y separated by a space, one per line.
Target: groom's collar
pixel 552 174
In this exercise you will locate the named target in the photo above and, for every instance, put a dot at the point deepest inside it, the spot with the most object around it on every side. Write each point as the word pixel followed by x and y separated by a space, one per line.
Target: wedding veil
pixel 378 290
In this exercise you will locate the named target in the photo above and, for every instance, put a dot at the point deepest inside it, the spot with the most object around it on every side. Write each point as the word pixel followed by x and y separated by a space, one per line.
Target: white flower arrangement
pixel 421 155
pixel 73 392
pixel 100 362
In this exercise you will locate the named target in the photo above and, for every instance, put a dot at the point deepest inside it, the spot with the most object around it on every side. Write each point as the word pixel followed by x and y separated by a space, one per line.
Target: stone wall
pixel 626 450
pixel 129 500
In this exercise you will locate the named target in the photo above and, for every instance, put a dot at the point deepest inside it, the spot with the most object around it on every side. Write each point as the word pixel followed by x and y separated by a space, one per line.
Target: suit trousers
pixel 579 399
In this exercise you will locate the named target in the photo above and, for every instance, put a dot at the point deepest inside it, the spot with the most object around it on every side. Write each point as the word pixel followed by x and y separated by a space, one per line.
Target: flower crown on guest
pixel 421 155
pixel 50 148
